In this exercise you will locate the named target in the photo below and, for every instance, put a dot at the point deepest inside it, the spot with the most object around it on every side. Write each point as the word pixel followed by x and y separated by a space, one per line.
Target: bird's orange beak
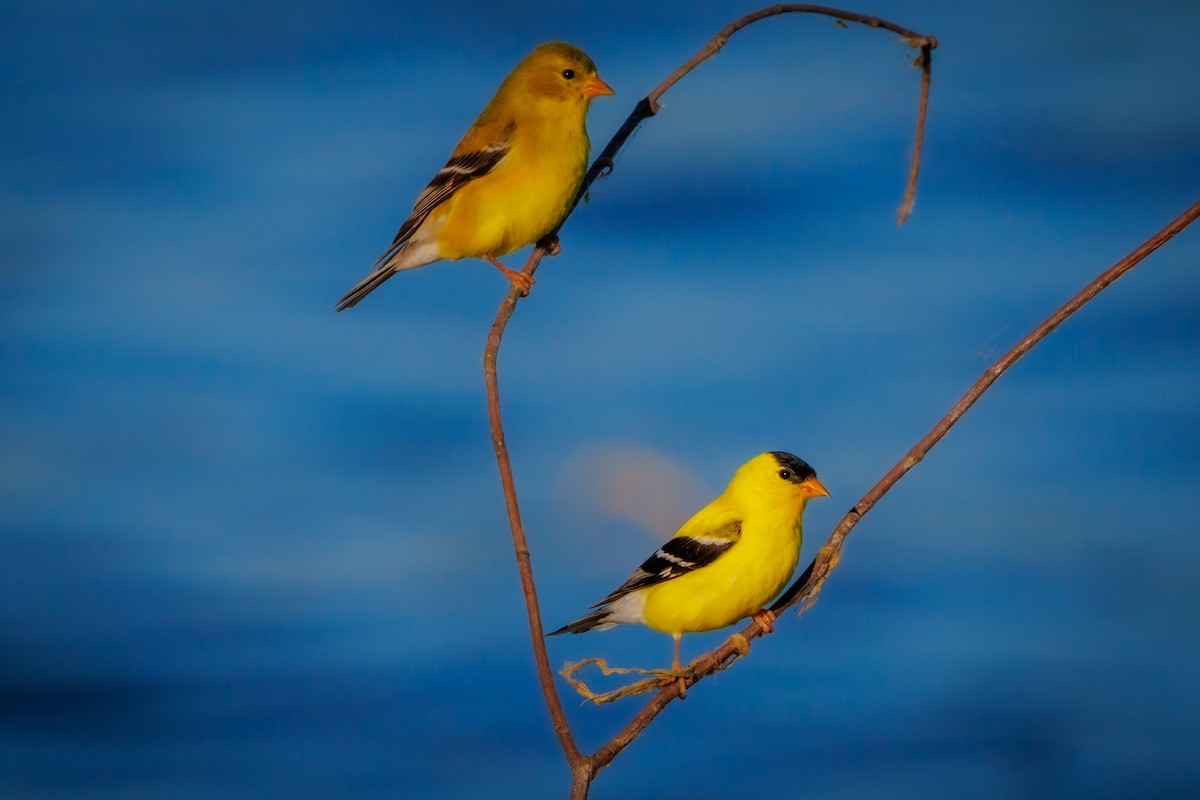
pixel 813 488
pixel 596 88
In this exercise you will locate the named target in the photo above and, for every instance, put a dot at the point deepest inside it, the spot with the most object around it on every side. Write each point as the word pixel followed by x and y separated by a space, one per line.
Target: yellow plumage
pixel 739 583
pixel 513 176
pixel 726 562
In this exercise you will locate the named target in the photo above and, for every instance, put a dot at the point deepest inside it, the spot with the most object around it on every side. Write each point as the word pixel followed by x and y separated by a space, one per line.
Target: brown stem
pixel 808 585
pixel 805 589
pixel 581 781
pixel 925 61
pixel 715 44
pixel 575 759
pixel 648 106
pixel 583 768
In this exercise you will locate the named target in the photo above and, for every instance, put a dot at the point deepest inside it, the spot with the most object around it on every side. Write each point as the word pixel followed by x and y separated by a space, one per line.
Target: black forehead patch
pixel 801 471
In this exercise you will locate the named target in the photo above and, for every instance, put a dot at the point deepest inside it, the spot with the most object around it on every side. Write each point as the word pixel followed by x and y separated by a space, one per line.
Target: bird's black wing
pixel 678 556
pixel 458 172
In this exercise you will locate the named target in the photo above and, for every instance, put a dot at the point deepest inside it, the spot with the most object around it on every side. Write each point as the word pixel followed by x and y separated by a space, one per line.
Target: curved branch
pixel 648 106
pixel 584 768
pixel 715 44
pixel 575 759
pixel 925 62
pixel 806 588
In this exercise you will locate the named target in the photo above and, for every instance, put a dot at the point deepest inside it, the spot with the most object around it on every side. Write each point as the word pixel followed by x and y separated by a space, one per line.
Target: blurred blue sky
pixel 250 548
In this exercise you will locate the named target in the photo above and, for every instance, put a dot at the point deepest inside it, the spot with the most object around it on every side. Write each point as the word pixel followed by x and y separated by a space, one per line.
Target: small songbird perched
pixel 725 563
pixel 513 176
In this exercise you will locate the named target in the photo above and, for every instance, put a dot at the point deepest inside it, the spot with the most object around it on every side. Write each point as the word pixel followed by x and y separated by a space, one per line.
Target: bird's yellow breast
pixel 734 586
pixel 524 197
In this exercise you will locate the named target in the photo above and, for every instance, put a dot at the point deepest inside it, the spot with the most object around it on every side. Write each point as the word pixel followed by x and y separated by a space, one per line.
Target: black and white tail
pixel 368 285
pixel 597 620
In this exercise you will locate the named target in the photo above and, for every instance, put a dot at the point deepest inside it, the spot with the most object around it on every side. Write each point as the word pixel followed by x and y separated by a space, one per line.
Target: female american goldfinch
pixel 725 563
pixel 512 177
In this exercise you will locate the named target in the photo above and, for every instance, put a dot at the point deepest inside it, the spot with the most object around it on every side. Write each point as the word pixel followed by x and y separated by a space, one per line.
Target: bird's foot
pixel 523 282
pixel 766 620
pixel 520 280
pixel 551 244
pixel 676 675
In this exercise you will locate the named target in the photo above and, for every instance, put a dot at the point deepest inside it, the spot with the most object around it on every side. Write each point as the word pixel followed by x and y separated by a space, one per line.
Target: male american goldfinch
pixel 512 177
pixel 725 563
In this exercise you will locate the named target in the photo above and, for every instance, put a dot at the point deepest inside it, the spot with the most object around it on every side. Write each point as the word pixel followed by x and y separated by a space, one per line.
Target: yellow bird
pixel 725 563
pixel 512 177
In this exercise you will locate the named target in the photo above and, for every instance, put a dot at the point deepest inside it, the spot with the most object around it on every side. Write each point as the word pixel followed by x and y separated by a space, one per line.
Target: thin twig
pixel 575 759
pixel 806 588
pixel 715 44
pixel 583 768
pixel 925 62
pixel 648 106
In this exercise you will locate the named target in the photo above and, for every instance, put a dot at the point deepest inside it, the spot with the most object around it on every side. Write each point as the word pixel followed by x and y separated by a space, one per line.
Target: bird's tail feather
pixel 368 285
pixel 597 620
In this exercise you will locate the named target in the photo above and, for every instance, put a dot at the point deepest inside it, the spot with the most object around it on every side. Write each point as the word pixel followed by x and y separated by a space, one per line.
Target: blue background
pixel 250 548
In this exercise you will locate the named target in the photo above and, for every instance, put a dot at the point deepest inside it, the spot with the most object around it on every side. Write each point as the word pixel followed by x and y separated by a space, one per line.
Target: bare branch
pixel 584 768
pixel 808 585
pixel 715 44
pixel 925 62
pixel 805 589
pixel 648 106
pixel 575 759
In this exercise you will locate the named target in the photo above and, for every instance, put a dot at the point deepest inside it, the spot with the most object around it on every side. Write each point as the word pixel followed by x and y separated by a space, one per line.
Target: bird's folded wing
pixel 460 170
pixel 680 555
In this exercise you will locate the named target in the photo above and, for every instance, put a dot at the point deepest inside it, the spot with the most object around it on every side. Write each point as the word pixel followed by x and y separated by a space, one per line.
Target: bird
pixel 511 179
pixel 725 563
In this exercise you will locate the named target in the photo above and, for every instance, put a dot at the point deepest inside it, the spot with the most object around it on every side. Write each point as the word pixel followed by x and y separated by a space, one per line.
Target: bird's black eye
pixel 568 73
pixel 786 474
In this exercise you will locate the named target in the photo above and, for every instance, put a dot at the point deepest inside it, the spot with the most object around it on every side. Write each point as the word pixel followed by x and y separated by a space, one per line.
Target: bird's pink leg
pixel 676 668
pixel 519 279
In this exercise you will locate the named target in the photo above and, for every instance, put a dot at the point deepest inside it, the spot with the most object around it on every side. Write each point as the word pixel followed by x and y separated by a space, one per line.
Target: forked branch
pixel 583 768
pixel 806 588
